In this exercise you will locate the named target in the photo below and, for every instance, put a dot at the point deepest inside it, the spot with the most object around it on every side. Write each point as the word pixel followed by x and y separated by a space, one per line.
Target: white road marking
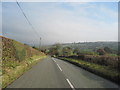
pixel 66 79
pixel 70 84
pixel 59 67
pixel 54 61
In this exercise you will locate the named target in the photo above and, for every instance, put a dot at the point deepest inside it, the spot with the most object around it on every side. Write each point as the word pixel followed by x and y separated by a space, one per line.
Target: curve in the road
pixel 55 73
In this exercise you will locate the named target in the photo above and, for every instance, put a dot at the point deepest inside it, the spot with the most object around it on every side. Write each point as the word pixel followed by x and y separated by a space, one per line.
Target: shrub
pixel 101 52
pixel 110 61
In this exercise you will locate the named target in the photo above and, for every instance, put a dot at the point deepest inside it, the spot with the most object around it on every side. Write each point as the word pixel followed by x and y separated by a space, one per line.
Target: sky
pixel 60 22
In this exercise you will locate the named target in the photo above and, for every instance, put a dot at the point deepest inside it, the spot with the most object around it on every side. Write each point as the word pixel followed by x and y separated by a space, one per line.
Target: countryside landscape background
pixel 38 36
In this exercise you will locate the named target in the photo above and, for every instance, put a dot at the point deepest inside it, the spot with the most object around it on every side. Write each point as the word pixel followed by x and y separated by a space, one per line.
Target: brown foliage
pixel 110 61
pixel 101 52
pixel 103 60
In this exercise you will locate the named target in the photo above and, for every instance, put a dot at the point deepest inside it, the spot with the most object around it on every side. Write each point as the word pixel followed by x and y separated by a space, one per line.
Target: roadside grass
pixel 101 70
pixel 12 73
pixel 20 50
pixel 112 55
pixel 16 59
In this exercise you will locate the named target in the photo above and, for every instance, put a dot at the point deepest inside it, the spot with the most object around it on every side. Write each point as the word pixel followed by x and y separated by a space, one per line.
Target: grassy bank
pixel 101 70
pixel 13 73
pixel 16 59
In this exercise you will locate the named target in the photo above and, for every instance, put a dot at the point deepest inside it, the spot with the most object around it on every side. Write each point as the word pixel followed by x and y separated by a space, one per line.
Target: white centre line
pixel 59 67
pixel 70 84
pixel 66 79
pixel 54 61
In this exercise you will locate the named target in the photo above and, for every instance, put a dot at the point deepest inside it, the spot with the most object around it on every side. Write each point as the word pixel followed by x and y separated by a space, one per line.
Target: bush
pixel 101 52
pixel 101 70
pixel 110 61
pixel 108 50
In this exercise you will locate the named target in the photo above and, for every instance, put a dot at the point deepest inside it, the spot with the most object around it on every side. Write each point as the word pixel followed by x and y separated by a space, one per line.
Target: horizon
pixel 67 42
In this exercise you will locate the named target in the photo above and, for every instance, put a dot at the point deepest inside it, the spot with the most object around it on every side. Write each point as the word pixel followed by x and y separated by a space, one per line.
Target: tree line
pixel 59 50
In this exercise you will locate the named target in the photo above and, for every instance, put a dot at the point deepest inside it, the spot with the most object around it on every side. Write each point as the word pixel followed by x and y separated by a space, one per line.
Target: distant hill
pixel 88 46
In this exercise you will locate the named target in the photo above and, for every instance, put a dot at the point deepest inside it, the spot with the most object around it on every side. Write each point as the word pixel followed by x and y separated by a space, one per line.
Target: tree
pixel 55 50
pixel 58 46
pixel 108 50
pixel 67 51
pixel 101 52
pixel 76 51
pixel 46 51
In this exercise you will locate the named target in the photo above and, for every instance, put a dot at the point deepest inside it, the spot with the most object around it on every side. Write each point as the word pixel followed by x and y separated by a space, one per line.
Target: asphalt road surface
pixel 55 73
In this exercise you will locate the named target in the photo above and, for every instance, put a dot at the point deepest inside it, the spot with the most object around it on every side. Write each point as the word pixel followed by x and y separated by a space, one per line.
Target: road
pixel 55 73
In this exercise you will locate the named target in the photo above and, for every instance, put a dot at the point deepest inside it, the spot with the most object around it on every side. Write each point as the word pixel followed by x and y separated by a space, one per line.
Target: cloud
pixel 108 12
pixel 73 22
pixel 61 0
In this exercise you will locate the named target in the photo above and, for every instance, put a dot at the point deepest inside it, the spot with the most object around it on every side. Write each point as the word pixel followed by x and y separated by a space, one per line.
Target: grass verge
pixel 13 73
pixel 103 71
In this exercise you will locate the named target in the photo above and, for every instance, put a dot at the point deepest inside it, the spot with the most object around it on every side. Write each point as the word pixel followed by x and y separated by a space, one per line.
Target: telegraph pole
pixel 40 43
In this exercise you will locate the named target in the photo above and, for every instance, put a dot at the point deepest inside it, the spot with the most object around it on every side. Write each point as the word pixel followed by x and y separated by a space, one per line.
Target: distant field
pixel 88 46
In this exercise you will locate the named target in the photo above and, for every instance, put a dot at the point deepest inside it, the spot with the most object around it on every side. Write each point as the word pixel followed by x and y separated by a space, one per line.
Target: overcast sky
pixel 61 22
